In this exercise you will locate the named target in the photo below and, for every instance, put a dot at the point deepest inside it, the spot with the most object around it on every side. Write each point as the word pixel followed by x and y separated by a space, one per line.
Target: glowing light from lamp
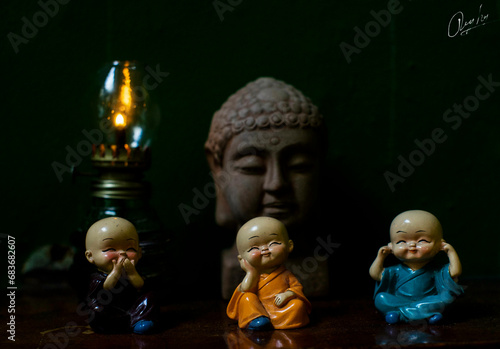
pixel 126 90
pixel 109 83
pixel 120 121
pixel 136 136
pixel 125 102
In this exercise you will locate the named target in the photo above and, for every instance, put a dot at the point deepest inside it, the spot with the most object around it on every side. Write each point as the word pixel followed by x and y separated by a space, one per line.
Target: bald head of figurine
pixel 265 148
pixel 264 243
pixel 110 240
pixel 416 236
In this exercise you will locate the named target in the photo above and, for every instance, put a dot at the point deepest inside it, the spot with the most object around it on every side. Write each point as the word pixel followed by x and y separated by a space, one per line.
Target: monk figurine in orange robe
pixel 269 296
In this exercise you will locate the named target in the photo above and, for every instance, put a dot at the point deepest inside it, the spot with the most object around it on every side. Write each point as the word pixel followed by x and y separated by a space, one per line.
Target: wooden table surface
pixel 47 320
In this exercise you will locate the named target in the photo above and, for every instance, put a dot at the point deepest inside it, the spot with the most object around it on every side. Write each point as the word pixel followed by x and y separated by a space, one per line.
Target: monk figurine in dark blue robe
pixel 418 288
pixel 117 299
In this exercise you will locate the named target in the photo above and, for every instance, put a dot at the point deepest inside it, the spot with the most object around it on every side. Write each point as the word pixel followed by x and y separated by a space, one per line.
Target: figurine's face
pixel 272 173
pixel 110 242
pixel 264 243
pixel 416 236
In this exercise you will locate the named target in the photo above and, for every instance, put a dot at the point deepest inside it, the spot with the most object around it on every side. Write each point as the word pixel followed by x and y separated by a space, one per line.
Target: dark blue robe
pixel 416 294
pixel 119 309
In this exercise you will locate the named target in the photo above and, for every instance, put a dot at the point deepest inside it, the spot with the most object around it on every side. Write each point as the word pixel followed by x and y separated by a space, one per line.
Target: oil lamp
pixel 127 118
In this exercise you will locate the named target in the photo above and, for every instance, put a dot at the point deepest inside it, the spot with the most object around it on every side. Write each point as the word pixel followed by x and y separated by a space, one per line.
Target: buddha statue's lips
pixel 279 204
pixel 279 209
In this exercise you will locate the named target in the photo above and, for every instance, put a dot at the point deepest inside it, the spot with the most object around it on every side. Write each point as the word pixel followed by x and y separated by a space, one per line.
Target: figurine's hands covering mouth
pixel 135 279
pixel 115 274
pixel 118 266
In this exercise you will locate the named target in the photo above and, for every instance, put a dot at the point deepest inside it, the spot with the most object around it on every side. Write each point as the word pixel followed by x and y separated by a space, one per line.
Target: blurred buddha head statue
pixel 265 149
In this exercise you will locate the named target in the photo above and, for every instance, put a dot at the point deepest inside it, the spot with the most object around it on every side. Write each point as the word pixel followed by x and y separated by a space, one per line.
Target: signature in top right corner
pixel 458 24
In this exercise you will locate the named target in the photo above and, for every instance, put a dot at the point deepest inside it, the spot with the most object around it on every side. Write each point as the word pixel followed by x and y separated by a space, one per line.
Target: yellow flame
pixel 119 121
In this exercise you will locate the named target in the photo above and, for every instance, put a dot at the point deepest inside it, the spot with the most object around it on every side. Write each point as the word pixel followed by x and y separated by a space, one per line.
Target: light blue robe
pixel 416 294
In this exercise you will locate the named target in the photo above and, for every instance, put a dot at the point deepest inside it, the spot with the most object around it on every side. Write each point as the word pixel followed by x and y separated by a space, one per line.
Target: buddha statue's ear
pixel 223 213
pixel 213 161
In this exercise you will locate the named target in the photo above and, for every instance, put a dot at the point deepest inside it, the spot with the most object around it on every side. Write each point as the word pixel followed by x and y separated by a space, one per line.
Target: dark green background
pixel 393 92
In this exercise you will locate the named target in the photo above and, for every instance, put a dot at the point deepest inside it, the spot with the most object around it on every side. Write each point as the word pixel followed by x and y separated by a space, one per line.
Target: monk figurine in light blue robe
pixel 418 288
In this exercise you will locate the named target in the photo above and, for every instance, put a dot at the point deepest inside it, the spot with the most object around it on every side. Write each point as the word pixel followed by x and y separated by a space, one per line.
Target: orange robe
pixel 247 306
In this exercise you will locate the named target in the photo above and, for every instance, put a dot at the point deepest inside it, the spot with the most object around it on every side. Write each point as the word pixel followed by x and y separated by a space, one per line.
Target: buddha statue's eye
pixel 400 242
pixel 109 249
pixel 300 163
pixel 250 164
pixel 252 169
pixel 253 248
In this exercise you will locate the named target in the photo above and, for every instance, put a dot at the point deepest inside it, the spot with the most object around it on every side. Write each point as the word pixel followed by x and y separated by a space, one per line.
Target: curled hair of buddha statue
pixel 265 103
